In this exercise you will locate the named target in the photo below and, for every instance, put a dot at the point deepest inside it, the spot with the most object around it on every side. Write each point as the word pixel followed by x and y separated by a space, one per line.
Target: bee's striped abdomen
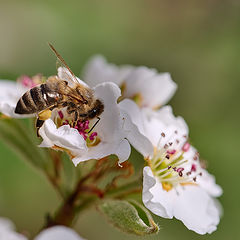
pixel 36 100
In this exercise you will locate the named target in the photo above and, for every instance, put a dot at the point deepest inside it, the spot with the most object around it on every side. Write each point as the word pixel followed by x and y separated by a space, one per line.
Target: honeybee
pixel 78 99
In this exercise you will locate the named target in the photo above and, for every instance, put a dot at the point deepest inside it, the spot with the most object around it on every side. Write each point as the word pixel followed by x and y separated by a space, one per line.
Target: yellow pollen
pixel 138 99
pixel 166 186
pixel 45 114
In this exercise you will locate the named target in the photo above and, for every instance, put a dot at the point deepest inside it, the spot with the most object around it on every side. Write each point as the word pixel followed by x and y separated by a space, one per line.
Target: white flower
pixel 144 85
pixel 7 232
pixel 174 183
pixel 107 137
pixel 11 92
pixel 58 233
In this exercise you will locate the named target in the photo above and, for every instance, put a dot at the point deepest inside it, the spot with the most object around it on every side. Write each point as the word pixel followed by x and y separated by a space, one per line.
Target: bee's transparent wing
pixel 65 74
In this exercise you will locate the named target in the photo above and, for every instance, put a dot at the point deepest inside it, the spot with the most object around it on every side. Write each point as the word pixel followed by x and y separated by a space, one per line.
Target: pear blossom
pixel 108 136
pixel 145 86
pixel 174 182
pixel 58 233
pixel 11 91
pixel 7 232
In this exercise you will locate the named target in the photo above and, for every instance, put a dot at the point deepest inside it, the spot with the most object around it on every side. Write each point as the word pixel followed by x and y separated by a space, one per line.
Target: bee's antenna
pixel 94 124
pixel 61 58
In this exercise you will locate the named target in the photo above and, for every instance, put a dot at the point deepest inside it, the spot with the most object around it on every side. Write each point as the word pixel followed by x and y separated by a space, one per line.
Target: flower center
pixel 83 128
pixel 168 165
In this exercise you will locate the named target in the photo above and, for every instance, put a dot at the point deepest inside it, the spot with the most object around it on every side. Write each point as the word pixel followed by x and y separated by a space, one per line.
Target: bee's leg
pixel 94 124
pixel 42 116
pixel 75 118
pixel 38 125
pixel 71 110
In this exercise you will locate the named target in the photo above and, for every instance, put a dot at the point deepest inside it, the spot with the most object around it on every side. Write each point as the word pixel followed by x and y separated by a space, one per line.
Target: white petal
pixel 166 116
pixel 58 233
pixel 163 121
pixel 11 236
pixel 157 200
pixel 155 88
pixel 10 93
pixel 191 204
pixel 196 209
pixel 97 70
pixel 109 129
pixel 132 109
pixel 123 151
pixel 64 137
pixel 207 182
pixel 120 148
pixel 133 125
pixel 6 224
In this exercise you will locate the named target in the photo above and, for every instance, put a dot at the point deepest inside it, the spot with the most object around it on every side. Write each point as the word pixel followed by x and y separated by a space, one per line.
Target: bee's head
pixel 97 109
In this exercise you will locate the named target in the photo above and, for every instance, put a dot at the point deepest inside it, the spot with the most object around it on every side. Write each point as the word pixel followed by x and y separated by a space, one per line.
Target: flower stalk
pixel 86 192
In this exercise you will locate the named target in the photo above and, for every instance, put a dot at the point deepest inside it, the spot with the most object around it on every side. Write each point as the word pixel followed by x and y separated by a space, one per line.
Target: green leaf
pixel 128 216
pixel 16 135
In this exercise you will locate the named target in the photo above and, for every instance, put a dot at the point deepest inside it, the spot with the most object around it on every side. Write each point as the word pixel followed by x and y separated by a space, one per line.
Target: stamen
pixel 93 135
pixel 186 147
pixel 166 146
pixel 168 161
pixel 66 122
pixel 166 174
pixel 30 82
pixel 180 169
pixel 60 113
pixel 171 152
pixel 159 141
pixel 194 168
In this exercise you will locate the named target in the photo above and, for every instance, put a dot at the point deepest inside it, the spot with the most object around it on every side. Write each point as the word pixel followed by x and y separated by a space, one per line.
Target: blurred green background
pixel 198 42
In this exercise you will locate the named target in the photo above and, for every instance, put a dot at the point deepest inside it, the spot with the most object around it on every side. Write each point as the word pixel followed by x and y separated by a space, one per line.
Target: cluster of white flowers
pixel 175 182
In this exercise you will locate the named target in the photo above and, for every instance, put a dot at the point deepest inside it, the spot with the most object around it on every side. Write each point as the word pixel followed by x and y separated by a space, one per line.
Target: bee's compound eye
pixel 92 113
